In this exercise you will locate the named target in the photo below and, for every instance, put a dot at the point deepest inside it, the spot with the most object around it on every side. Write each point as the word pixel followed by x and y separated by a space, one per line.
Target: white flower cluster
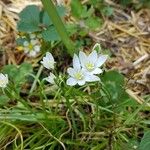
pixel 48 62
pixel 33 46
pixel 3 80
pixel 86 67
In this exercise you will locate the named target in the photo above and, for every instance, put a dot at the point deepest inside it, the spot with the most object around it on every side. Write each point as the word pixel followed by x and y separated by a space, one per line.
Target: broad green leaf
pixel 29 19
pixel 114 82
pixel 50 34
pixel 145 142
pixel 17 75
pixel 46 19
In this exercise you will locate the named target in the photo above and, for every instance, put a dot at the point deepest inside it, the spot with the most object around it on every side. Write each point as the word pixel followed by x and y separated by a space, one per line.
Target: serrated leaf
pixel 29 19
pixel 145 142
pixel 76 8
pixel 50 34
pixel 93 22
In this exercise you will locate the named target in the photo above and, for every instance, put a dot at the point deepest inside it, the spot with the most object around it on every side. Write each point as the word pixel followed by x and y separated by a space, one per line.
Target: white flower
pixel 51 78
pixel 3 80
pixel 48 61
pixel 78 75
pixel 32 48
pixel 92 62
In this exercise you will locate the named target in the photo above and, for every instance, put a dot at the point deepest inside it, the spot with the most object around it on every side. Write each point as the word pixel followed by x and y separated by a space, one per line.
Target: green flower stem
pixel 52 12
pixel 35 80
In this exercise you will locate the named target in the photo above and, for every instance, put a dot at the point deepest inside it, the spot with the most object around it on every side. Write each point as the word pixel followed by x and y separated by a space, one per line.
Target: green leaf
pixel 93 22
pixel 61 11
pixel 46 20
pixel 17 75
pixel 23 71
pixel 3 100
pixel 29 19
pixel 108 11
pixel 145 142
pixel 50 34
pixel 76 8
pixel 114 83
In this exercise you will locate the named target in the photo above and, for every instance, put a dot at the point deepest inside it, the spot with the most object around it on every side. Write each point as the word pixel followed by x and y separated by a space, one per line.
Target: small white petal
pixel 3 80
pixel 32 54
pixel 32 35
pixel 76 62
pixel 26 50
pixel 83 58
pixel 48 61
pixel 49 56
pixel 97 71
pixel 71 71
pixel 25 43
pixel 92 57
pixel 51 78
pixel 34 42
pixel 81 82
pixel 71 81
pixel 37 48
pixel 92 78
pixel 101 60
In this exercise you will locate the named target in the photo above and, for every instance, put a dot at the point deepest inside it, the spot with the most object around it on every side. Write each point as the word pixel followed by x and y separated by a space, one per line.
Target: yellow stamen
pixel 89 66
pixel 78 76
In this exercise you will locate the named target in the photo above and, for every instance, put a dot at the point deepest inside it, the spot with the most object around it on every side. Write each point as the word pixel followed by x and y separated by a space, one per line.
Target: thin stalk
pixel 52 12
pixel 36 78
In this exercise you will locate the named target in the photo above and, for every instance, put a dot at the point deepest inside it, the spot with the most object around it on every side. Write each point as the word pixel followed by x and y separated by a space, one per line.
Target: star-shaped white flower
pixel 51 78
pixel 78 75
pixel 48 61
pixel 92 62
pixel 32 48
pixel 3 80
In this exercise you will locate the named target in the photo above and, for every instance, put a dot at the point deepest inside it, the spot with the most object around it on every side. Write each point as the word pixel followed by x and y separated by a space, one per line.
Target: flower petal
pixel 51 78
pixel 101 60
pixel 37 48
pixel 49 56
pixel 81 82
pixel 92 78
pixel 71 71
pixel 97 71
pixel 92 57
pixel 83 58
pixel 71 81
pixel 76 62
pixel 25 43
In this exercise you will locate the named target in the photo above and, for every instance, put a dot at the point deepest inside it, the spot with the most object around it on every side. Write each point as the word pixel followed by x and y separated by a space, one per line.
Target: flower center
pixel 2 82
pixel 30 46
pixel 78 75
pixel 89 66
